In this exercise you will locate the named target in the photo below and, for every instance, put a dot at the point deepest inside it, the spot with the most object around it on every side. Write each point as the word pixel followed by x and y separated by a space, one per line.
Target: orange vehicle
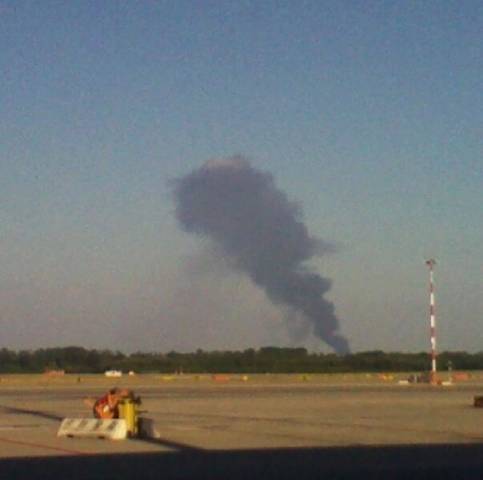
pixel 107 406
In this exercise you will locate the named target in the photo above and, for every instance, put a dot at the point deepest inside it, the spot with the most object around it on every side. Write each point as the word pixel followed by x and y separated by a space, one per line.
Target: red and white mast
pixel 432 319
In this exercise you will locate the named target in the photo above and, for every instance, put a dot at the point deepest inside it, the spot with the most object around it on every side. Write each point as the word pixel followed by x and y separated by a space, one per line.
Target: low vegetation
pixel 264 360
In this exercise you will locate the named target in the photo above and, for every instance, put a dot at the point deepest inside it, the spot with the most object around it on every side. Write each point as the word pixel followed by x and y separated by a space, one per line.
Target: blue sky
pixel 367 113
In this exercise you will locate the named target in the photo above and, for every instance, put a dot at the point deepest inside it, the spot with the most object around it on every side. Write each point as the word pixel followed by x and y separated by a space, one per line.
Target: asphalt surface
pixel 260 428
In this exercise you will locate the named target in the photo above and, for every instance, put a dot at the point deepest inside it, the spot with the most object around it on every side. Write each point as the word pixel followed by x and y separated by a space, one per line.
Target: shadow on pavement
pixel 181 447
pixel 412 462
pixel 35 413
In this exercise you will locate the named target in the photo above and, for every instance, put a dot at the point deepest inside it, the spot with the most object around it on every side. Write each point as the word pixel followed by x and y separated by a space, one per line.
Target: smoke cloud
pixel 262 233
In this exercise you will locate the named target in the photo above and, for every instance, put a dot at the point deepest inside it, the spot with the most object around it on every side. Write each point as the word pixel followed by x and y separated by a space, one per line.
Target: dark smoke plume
pixel 261 231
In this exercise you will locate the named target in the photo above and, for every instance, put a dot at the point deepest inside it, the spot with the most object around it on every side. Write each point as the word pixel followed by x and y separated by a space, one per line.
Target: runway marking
pixel 38 445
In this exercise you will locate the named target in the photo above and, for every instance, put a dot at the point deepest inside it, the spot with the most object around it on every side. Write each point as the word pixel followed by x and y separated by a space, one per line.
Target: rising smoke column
pixel 261 231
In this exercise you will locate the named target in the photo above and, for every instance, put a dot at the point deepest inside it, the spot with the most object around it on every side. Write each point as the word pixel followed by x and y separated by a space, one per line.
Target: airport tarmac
pixel 205 413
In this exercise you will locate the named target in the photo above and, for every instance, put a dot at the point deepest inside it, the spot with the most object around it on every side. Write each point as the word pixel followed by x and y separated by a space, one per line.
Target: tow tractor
pixel 116 417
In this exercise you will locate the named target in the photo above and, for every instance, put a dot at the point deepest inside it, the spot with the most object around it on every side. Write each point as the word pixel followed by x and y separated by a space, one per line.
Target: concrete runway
pixel 197 415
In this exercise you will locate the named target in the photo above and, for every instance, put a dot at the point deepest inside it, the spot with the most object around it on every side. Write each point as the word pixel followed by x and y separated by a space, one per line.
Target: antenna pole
pixel 432 321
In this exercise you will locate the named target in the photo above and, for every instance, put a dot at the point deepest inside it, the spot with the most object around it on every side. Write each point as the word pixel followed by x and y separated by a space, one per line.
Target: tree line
pixel 76 359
